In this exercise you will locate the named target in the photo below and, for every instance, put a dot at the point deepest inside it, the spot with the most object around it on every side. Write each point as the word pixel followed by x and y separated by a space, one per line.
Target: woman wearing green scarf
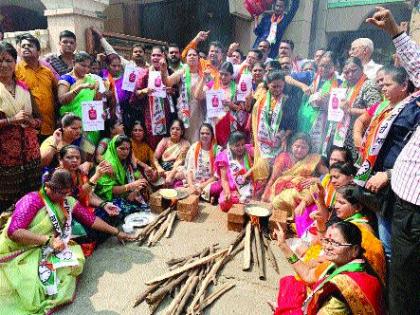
pixel 39 263
pixel 124 187
pixel 76 87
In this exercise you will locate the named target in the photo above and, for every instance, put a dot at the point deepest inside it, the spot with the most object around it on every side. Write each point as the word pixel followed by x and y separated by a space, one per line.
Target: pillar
pixel 75 16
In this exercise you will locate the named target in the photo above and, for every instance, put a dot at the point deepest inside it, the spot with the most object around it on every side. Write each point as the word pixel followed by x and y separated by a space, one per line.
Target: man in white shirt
pixel 362 48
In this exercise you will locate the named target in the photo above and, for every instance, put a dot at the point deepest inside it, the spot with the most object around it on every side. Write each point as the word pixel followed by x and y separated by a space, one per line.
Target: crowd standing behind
pixel 349 186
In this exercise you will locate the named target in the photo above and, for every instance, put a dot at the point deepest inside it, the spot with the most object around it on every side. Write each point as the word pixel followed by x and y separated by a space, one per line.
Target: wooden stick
pixel 144 294
pixel 186 267
pixel 214 296
pixel 205 283
pixel 186 296
pixel 254 251
pixel 174 261
pixel 164 290
pixel 170 225
pixel 238 248
pixel 151 225
pixel 237 240
pixel 270 256
pixel 247 249
pixel 260 253
pixel 159 233
pixel 175 302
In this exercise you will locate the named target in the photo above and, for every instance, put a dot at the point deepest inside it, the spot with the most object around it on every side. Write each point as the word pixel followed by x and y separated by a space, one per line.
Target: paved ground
pixel 115 275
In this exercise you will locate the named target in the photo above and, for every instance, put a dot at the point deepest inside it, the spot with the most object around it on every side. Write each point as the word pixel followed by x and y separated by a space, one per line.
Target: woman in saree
pixel 312 115
pixel 190 107
pixel 171 152
pixel 76 87
pixel 117 98
pixel 199 170
pixel 234 167
pixel 124 187
pixel 69 133
pixel 258 71
pixel 361 94
pixel 113 127
pixel 154 111
pixel 39 264
pixel 142 152
pixel 20 170
pixel 344 284
pixel 284 188
pixel 273 121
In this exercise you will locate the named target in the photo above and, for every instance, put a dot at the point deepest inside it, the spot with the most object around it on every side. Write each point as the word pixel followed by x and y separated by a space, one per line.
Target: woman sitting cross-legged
pixel 124 187
pixel 234 168
pixel 39 264
pixel 199 165
pixel 171 151
pixel 344 284
pixel 285 187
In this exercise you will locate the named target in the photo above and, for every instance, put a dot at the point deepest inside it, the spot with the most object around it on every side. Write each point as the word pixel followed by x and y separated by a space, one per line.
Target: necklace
pixel 12 90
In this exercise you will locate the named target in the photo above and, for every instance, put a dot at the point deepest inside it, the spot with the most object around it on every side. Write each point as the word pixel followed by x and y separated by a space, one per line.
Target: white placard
pixel 214 103
pixel 155 83
pixel 92 116
pixel 130 77
pixel 244 87
pixel 335 113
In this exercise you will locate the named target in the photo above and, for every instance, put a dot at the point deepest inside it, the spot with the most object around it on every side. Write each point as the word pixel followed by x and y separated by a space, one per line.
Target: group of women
pixel 260 148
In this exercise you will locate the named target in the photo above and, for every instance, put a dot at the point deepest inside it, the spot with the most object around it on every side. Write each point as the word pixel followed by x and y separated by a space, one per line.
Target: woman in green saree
pixel 76 87
pixel 124 187
pixel 39 263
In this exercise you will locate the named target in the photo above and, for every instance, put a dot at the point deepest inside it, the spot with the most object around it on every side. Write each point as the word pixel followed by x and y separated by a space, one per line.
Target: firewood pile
pixel 190 279
pixel 257 250
pixel 162 225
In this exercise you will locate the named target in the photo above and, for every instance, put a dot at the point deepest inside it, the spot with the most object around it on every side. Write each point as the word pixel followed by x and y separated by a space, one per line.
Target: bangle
pixel 53 146
pixel 126 188
pixel 102 204
pixel 74 92
pixel 321 231
pixel 293 259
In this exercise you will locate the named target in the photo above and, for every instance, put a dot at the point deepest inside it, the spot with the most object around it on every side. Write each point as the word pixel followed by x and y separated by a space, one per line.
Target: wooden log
pixel 260 253
pixel 186 267
pixel 146 231
pixel 214 296
pixel 159 233
pixel 171 224
pixel 175 302
pixel 270 256
pixel 233 253
pixel 174 261
pixel 144 294
pixel 237 240
pixel 164 290
pixel 186 296
pixel 205 283
pixel 254 251
pixel 247 248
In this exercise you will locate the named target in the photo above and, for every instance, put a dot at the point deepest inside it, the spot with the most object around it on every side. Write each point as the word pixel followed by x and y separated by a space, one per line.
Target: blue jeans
pixel 384 230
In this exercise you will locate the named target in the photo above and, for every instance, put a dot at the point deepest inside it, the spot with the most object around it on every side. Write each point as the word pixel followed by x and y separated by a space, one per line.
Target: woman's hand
pixel 57 244
pixel 57 136
pixel 138 184
pixel 306 183
pixel 85 167
pixel 163 65
pixel 103 168
pixel 111 209
pixel 345 106
pixel 146 91
pixel 377 182
pixel 279 235
pixel 121 236
pixel 21 117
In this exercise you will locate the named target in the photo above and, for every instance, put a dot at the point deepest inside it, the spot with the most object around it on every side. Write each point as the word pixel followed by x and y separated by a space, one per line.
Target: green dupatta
pixel 75 106
pixel 107 182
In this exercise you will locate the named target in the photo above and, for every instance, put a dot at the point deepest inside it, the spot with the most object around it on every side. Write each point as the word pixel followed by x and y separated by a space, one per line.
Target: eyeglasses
pixel 329 241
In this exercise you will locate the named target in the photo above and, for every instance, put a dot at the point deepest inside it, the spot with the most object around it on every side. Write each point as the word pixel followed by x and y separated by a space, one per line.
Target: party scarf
pixel 364 172
pixel 245 188
pixel 343 126
pixel 212 153
pixel 183 106
pixel 275 21
pixel 268 127
pixel 50 262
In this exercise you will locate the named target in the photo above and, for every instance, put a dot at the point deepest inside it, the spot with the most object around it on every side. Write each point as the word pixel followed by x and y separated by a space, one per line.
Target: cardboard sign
pixel 155 83
pixel 214 103
pixel 244 87
pixel 130 77
pixel 335 113
pixel 92 116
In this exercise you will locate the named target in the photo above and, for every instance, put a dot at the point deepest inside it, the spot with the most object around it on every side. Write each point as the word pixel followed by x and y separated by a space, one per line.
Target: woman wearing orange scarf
pixel 360 95
pixel 199 164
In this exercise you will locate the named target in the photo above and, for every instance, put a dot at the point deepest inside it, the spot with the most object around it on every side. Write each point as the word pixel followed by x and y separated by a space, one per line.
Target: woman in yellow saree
pixel 284 188
pixel 39 263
